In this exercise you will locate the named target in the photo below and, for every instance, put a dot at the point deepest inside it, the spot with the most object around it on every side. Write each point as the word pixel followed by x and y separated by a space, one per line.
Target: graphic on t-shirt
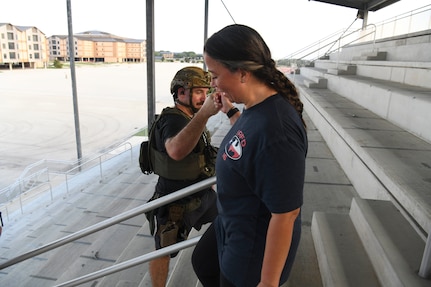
pixel 234 149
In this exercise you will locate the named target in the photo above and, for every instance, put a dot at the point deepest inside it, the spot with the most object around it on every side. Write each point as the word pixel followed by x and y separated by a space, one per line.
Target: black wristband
pixel 231 112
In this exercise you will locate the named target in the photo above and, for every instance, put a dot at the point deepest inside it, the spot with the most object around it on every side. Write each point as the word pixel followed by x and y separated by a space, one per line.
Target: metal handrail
pixel 357 39
pixel 112 221
pixel 24 177
pixel 99 158
pixel 316 46
pixel 343 36
pixel 317 43
pixel 425 267
pixel 131 262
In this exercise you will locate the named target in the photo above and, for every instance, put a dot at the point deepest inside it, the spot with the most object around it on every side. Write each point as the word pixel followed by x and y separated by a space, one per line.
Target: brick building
pixel 96 46
pixel 22 46
pixel 28 47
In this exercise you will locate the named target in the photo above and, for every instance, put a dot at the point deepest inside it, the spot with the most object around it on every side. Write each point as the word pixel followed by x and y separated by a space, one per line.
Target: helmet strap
pixel 193 109
pixel 189 105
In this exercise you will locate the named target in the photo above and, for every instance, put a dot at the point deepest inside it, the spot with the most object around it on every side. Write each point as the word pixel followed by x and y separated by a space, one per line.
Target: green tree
pixel 58 64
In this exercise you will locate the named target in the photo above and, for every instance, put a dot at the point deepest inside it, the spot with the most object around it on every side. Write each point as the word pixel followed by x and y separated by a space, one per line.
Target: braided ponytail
pixel 274 78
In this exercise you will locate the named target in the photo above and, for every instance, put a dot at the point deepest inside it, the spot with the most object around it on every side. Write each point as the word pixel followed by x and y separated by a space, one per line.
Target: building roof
pixel 365 5
pixel 22 28
pixel 99 36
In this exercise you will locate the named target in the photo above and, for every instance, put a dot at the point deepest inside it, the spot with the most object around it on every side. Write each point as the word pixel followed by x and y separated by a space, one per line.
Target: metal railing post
pixel 100 168
pixel 425 268
pixel 67 183
pixel 50 190
pixel 20 202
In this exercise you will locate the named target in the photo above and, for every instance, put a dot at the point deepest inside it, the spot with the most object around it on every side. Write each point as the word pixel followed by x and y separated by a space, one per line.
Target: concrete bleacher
pixel 44 221
pixel 376 121
pixel 124 189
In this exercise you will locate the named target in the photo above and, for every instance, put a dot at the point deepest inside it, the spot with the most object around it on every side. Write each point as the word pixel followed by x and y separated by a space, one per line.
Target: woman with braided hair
pixel 260 166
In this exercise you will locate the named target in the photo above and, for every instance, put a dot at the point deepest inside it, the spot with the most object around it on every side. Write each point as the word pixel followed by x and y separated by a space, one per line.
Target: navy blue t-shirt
pixel 260 170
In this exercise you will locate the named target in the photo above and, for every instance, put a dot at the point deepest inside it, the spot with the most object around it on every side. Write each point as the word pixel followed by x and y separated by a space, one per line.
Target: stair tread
pixel 393 245
pixel 398 158
pixel 338 243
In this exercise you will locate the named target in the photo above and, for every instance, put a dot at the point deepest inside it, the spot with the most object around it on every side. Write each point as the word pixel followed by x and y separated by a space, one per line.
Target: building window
pixel 30 56
pixel 35 38
pixel 11 46
pixel 36 47
pixel 5 56
pixel 29 47
pixel 36 56
pixel 12 55
pixel 10 36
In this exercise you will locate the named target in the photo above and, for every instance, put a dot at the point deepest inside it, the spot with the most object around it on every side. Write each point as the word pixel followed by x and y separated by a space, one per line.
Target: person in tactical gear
pixel 181 142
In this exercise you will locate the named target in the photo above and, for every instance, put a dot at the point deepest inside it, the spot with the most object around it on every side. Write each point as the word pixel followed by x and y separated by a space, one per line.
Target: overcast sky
pixel 286 25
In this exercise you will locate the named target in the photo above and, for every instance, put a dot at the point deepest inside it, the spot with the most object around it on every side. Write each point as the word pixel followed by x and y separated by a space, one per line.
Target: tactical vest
pixel 191 167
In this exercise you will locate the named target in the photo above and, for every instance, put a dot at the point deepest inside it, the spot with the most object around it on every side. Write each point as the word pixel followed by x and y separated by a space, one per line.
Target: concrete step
pixel 403 105
pixel 316 83
pixel 343 260
pixel 408 73
pixel 183 273
pixel 312 72
pixel 75 211
pixel 373 246
pixel 142 243
pixel 372 56
pixel 400 103
pixel 343 69
pixel 392 244
pixel 382 160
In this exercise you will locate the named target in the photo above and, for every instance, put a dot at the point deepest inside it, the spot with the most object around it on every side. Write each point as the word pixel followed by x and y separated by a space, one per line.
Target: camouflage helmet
pixel 190 77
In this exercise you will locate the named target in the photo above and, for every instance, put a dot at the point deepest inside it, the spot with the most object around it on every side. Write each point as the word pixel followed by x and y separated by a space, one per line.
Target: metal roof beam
pixel 366 5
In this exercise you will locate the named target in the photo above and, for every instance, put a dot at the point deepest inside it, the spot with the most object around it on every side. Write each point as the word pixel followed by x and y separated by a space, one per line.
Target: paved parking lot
pixel 37 116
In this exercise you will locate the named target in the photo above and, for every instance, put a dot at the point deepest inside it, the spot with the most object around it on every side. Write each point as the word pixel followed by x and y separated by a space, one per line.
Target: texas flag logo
pixel 233 149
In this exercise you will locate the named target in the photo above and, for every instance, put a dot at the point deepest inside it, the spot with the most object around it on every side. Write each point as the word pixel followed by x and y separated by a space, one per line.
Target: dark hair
pixel 241 47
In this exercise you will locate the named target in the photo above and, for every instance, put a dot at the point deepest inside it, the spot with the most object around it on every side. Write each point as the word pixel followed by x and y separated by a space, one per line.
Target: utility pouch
pixel 144 158
pixel 169 231
pixel 168 234
pixel 193 204
pixel 210 153
pixel 176 213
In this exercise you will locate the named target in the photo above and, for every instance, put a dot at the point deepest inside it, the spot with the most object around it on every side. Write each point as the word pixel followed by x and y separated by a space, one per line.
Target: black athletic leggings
pixel 205 261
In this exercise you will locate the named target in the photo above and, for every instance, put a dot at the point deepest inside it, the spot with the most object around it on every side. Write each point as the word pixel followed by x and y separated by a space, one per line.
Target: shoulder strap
pixel 175 111
pixel 151 131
